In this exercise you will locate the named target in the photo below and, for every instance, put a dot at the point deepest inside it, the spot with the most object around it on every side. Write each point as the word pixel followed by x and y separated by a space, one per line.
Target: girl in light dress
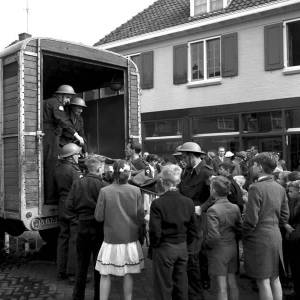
pixel 120 207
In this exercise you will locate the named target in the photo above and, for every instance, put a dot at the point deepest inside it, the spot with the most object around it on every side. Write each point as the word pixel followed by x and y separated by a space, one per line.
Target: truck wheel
pixel 13 227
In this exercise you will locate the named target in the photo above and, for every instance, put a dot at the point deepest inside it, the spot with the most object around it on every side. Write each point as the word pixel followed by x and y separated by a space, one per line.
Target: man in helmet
pixel 195 185
pixel 66 172
pixel 55 119
pixel 75 109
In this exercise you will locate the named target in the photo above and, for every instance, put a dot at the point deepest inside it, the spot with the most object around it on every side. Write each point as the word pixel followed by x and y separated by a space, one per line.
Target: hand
pixel 79 138
pixel 289 229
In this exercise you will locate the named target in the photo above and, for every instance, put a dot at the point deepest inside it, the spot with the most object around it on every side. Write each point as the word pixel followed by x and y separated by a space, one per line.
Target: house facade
pixel 217 72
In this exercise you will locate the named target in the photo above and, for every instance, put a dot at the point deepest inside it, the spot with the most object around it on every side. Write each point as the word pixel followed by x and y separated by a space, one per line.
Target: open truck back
pixel 30 71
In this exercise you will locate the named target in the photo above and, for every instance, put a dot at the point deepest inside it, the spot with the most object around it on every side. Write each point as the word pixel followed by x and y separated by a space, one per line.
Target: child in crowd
pixel 223 228
pixel 293 234
pixel 81 202
pixel 120 207
pixel 172 226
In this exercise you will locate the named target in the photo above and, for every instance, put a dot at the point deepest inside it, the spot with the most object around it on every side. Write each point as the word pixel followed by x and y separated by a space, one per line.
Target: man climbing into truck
pixel 55 120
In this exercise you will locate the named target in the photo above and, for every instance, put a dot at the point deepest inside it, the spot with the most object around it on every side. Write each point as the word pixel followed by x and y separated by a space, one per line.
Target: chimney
pixel 24 36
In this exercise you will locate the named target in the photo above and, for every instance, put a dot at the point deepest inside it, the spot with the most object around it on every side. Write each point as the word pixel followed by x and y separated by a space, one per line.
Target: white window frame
pixel 288 69
pixel 205 81
pixel 192 6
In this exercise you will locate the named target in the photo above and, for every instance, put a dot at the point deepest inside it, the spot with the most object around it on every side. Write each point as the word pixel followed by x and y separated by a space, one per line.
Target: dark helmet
pixel 65 89
pixel 78 102
pixel 69 150
pixel 190 147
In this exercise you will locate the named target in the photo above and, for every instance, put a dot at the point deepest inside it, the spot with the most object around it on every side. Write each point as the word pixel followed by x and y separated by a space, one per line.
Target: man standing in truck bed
pixel 55 119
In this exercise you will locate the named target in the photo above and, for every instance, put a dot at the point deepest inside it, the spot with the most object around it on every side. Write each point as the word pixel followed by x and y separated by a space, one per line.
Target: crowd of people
pixel 196 214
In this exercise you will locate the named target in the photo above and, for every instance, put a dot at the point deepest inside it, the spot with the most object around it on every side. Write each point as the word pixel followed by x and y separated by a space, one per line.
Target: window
pixel 145 64
pixel 262 122
pixel 199 7
pixel 163 128
pixel 215 124
pixel 292 57
pixel 205 59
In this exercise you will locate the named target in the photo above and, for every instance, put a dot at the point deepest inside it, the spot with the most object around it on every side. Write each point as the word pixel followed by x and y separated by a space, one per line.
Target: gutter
pixel 199 23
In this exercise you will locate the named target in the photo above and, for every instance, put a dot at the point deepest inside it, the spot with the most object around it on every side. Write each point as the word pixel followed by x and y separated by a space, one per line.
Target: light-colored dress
pixel 121 208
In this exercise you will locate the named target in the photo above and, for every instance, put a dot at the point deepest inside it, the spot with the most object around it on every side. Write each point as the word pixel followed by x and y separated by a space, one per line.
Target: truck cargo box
pixel 30 71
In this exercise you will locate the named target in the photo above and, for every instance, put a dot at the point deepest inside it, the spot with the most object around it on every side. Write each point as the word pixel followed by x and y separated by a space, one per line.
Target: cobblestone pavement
pixel 24 278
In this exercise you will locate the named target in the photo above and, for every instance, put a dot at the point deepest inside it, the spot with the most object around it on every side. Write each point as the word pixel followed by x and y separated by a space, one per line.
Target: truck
pixel 30 72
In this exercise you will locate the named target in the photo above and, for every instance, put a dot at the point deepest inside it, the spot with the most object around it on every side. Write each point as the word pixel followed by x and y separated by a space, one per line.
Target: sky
pixel 83 21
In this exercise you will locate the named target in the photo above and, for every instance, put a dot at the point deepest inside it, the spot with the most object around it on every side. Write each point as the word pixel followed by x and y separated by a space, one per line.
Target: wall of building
pixel 253 83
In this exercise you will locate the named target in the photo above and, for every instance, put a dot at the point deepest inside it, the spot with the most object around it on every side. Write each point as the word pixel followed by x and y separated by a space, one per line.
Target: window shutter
pixel 229 46
pixel 180 64
pixel 273 47
pixel 147 70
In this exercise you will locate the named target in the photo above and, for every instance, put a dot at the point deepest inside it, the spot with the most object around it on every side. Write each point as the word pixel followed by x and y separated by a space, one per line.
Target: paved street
pixel 26 278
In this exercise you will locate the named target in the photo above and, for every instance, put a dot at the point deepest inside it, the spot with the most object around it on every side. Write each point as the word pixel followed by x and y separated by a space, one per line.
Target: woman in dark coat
pixel 267 208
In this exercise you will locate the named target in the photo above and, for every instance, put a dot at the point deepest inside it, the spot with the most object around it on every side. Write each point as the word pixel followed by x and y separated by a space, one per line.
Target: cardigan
pixel 121 208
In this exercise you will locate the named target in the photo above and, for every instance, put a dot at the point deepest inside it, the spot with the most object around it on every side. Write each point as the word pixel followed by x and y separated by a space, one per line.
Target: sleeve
pixel 140 208
pixel 192 229
pixel 70 204
pixel 213 234
pixel 252 210
pixel 155 230
pixel 62 119
pixel 100 207
pixel 238 225
pixel 284 211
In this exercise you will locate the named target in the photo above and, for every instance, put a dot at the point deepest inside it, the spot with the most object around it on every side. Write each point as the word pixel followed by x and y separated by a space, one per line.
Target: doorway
pixel 104 122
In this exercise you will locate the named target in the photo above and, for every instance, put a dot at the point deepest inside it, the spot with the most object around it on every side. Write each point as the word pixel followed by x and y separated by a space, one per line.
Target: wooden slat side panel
pixel 11 174
pixel 31 172
pixel 134 118
pixel 10 101
pixel 30 90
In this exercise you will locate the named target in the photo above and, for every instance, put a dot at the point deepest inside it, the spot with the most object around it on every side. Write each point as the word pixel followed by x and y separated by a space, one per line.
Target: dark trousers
pixel 194 277
pixel 66 246
pixel 169 272
pixel 89 240
pixel 294 255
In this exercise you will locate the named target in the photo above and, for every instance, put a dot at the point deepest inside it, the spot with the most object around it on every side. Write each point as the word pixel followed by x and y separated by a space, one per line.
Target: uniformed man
pixel 66 173
pixel 75 109
pixel 195 185
pixel 55 119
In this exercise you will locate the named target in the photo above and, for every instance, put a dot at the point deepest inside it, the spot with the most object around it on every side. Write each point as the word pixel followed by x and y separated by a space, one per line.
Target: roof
pixel 163 14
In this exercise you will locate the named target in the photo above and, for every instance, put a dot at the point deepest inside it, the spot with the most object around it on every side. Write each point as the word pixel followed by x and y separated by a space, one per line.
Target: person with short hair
pixel 235 195
pixel 172 226
pixel 81 202
pixel 266 210
pixel 223 229
pixel 120 206
pixel 293 235
pixel 219 158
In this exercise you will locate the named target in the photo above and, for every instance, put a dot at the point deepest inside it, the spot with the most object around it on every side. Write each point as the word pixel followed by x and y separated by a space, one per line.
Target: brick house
pixel 218 72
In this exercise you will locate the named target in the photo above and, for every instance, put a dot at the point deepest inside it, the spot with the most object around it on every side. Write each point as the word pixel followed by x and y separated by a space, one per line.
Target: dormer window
pixel 199 7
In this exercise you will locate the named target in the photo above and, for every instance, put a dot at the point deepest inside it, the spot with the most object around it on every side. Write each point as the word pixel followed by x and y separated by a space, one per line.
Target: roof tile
pixel 163 14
